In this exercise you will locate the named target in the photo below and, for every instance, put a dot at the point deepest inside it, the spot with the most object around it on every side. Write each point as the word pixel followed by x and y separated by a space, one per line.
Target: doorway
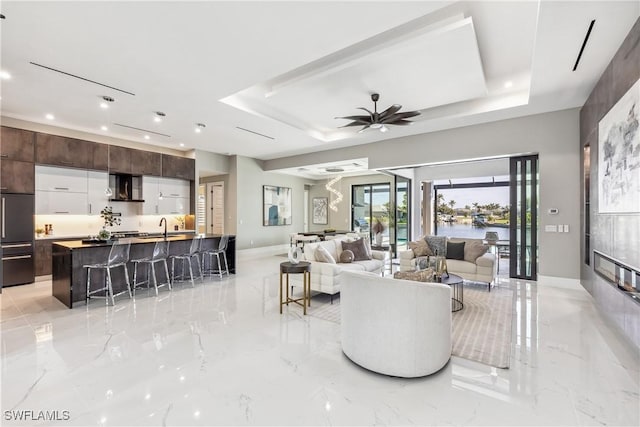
pixel 215 208
pixel 370 205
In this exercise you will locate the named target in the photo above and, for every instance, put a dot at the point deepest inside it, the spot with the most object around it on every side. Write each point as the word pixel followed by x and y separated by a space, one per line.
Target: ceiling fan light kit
pixel 379 121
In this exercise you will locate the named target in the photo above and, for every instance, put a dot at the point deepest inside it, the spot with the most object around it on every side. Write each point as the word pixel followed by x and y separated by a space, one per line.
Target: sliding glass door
pixel 523 219
pixel 370 204
pixel 402 226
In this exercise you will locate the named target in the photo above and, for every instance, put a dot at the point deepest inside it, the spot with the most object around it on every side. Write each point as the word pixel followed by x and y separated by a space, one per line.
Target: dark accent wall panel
pixel 617 235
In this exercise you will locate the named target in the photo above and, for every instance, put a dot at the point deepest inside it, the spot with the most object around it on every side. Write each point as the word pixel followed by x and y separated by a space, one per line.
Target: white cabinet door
pixel 173 206
pixel 96 197
pixel 61 203
pixel 170 187
pixel 150 194
pixel 49 178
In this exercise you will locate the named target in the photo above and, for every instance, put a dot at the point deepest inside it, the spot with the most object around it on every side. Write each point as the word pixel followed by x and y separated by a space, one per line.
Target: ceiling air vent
pixel 334 169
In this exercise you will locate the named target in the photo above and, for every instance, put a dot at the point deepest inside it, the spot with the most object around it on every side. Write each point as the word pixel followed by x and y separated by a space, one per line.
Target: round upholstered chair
pixel 395 327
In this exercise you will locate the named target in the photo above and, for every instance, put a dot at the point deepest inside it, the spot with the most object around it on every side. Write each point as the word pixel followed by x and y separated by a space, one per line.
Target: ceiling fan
pixel 376 120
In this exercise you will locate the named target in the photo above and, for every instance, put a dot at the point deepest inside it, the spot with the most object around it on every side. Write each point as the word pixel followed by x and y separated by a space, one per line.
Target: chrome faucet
pixel 165 226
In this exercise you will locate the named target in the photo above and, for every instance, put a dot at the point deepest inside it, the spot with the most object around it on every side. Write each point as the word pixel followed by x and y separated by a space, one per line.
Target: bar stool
pixel 194 251
pixel 160 254
pixel 118 257
pixel 222 249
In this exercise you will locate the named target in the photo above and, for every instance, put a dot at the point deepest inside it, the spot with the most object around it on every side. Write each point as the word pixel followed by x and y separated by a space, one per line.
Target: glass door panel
pixel 524 217
pixel 402 217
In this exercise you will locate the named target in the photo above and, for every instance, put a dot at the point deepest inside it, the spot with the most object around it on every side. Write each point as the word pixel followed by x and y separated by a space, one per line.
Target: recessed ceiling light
pixel 199 127
pixel 508 84
pixel 4 75
pixel 181 144
pixel 147 137
pixel 158 117
pixel 104 128
pixel 104 105
pixel 49 116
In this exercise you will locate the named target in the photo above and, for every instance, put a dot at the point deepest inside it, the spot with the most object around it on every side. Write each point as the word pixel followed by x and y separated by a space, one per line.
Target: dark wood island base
pixel 70 278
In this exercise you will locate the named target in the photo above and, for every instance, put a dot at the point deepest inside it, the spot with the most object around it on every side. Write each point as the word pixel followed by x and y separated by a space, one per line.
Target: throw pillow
pixel 346 257
pixel 455 250
pixel 358 248
pixel 474 250
pixel 438 244
pixel 420 248
pixel 323 255
pixel 419 276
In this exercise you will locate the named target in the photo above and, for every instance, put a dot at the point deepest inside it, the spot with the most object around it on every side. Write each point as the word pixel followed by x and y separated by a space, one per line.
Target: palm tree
pixel 452 203
pixel 476 206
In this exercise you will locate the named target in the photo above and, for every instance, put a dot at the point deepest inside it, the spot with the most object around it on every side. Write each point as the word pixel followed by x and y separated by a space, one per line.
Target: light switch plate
pixel 551 228
pixel 566 228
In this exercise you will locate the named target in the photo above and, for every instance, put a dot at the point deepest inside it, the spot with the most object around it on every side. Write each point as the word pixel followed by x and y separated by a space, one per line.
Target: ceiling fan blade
pixel 356 123
pixel 360 118
pixel 390 111
pixel 400 116
pixel 364 128
pixel 399 122
pixel 370 113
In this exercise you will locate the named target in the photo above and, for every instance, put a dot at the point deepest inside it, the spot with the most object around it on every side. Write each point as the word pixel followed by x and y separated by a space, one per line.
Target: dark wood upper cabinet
pixel 120 159
pixel 62 151
pixel 17 177
pixel 178 167
pixel 100 157
pixel 145 163
pixel 17 144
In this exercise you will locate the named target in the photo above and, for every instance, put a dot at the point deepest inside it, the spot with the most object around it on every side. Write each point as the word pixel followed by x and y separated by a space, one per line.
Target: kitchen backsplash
pixel 88 225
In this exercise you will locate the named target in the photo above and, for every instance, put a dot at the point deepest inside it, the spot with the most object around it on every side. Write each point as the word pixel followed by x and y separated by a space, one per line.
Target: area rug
pixel 481 330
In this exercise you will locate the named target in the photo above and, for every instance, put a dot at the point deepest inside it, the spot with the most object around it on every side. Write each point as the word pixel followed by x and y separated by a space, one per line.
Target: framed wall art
pixel 276 205
pixel 320 210
pixel 619 156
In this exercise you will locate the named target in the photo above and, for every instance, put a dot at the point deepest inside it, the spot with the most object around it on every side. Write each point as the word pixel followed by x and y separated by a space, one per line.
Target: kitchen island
pixel 69 278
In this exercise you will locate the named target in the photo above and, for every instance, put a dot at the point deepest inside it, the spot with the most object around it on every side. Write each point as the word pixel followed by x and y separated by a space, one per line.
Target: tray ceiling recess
pixel 419 65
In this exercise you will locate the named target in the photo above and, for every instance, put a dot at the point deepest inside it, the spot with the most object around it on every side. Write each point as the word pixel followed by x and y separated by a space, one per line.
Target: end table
pixel 304 268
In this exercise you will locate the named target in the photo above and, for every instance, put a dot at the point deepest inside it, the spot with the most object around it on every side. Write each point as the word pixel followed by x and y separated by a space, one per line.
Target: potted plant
pixel 109 221
pixel 180 220
pixel 39 232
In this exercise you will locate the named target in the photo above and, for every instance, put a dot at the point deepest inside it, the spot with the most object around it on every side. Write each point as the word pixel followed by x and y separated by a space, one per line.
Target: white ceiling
pixel 313 61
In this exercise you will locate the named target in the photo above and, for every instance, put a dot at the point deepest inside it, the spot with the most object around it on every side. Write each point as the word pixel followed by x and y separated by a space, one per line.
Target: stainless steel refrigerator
pixel 16 239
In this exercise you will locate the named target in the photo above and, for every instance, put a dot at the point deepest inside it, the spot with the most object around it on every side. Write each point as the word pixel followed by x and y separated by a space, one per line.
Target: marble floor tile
pixel 221 354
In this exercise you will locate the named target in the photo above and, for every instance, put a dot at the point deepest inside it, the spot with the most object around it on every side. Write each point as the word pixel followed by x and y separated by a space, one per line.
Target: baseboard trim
pixel 262 251
pixel 559 282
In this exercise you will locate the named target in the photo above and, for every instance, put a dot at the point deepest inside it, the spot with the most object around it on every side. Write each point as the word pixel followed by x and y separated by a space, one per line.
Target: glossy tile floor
pixel 221 353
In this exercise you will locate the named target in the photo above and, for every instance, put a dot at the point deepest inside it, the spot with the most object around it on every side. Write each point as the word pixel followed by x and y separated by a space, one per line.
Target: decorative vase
pixel 295 254
pixel 378 238
pixel 104 234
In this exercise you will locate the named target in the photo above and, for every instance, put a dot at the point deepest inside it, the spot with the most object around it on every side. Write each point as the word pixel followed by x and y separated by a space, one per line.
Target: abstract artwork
pixel 320 211
pixel 276 207
pixel 619 156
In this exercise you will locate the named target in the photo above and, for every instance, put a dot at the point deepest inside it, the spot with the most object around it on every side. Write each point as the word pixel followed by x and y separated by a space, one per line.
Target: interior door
pixel 523 218
pixel 215 207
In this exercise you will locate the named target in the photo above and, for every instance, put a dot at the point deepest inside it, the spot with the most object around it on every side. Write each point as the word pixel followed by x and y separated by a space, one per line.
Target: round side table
pixel 457 297
pixel 304 268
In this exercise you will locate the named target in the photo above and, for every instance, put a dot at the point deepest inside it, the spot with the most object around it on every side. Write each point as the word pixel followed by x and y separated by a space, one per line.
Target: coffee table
pixel 457 297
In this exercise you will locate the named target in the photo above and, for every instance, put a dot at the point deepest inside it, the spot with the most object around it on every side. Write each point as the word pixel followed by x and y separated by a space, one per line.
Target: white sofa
pixel 325 277
pixel 395 327
pixel 483 270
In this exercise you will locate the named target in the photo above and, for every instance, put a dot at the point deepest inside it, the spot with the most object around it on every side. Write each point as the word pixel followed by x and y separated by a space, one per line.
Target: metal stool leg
pixel 126 279
pixel 155 281
pixel 226 263
pixel 88 285
pixel 166 270
pixel 109 289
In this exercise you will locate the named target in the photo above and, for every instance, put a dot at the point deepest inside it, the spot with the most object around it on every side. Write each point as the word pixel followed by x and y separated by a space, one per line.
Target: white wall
pixel 554 136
